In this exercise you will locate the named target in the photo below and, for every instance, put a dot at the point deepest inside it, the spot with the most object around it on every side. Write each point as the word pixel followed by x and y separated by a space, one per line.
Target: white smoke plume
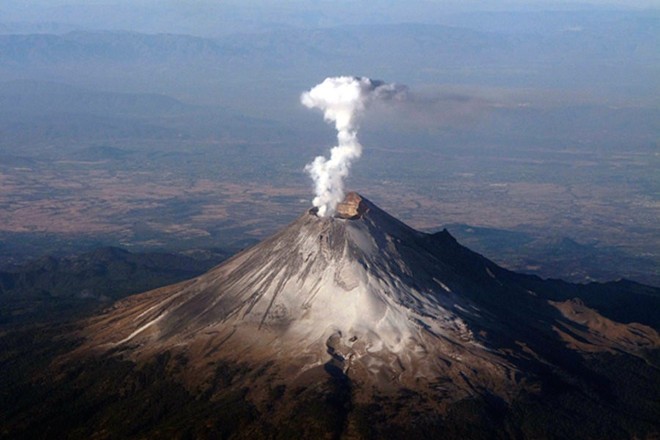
pixel 342 99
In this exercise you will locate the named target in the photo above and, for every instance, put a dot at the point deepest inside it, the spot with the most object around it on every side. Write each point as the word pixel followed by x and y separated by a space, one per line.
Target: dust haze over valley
pixel 532 131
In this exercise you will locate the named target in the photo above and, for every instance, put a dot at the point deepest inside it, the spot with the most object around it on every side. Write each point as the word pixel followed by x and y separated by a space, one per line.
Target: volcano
pixel 358 326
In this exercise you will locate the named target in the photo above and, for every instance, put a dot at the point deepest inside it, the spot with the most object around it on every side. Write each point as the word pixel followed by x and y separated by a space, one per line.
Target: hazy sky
pixel 213 19
pixel 477 4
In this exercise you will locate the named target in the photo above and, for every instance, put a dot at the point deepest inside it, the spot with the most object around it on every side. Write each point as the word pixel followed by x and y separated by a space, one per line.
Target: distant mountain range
pixel 591 56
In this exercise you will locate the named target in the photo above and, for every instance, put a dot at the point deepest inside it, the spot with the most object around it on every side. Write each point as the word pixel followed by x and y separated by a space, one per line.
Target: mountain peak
pixel 366 294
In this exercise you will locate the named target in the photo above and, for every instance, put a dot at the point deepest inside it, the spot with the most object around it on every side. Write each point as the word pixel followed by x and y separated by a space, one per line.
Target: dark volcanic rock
pixel 49 287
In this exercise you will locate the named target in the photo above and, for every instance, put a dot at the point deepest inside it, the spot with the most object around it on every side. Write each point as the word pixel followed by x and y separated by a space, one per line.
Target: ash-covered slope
pixel 355 326
pixel 367 297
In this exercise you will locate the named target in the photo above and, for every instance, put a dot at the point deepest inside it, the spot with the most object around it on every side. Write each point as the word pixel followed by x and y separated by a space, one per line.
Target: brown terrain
pixel 152 203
